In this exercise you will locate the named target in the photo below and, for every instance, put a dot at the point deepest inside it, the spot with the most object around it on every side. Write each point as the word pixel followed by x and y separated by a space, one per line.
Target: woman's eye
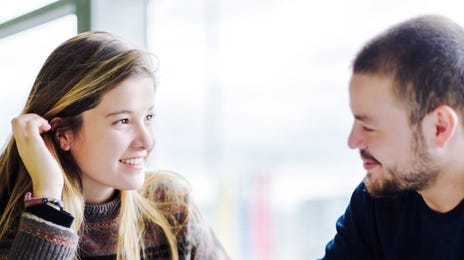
pixel 149 117
pixel 123 121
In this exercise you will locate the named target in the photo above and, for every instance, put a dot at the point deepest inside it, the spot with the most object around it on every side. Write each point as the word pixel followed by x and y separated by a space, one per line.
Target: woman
pixel 72 178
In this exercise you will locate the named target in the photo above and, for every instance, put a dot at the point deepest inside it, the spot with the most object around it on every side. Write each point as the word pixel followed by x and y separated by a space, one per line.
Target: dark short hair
pixel 425 57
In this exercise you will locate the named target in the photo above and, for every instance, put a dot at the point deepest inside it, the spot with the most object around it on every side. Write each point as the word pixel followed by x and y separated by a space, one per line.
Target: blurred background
pixel 252 104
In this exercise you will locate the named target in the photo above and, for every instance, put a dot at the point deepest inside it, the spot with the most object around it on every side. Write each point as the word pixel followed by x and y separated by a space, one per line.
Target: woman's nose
pixel 145 138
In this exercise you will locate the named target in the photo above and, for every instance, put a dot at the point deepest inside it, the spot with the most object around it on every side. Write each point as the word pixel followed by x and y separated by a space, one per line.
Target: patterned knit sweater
pixel 35 238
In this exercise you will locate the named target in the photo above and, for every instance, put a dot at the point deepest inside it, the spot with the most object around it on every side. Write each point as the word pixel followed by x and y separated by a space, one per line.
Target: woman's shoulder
pixel 170 193
pixel 163 186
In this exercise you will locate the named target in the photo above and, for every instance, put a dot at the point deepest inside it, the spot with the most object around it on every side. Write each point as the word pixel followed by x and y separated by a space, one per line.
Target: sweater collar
pixel 104 211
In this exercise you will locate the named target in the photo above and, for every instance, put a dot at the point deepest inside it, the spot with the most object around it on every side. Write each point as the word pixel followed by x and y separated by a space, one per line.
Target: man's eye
pixel 367 129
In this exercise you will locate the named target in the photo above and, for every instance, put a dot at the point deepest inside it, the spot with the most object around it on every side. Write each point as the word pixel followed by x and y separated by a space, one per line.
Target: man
pixel 407 99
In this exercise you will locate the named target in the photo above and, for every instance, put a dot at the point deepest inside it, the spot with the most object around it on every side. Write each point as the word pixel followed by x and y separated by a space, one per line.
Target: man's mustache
pixel 367 156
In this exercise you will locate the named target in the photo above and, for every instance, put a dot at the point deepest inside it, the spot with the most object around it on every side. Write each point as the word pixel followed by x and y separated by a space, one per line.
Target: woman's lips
pixel 137 163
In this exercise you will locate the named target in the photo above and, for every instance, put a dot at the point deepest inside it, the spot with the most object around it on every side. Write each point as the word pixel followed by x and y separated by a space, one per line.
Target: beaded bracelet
pixel 29 201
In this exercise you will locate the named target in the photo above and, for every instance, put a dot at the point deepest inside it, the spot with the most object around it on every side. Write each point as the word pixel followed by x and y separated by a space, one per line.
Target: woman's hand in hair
pixel 46 173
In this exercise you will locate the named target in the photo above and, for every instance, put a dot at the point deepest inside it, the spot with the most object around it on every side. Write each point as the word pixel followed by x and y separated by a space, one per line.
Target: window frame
pixel 53 11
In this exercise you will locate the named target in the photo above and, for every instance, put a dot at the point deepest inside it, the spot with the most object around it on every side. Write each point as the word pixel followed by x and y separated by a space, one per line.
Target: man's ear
pixel 62 134
pixel 445 121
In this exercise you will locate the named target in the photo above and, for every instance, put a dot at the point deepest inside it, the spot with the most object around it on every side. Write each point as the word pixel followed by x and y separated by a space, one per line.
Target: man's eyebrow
pixel 363 118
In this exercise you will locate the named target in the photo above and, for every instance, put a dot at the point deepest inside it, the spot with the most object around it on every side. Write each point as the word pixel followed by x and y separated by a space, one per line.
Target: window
pixel 12 10
pixel 253 110
pixel 23 54
pixel 28 34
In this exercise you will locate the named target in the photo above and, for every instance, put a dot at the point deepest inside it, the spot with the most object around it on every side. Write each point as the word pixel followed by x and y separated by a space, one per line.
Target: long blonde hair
pixel 73 79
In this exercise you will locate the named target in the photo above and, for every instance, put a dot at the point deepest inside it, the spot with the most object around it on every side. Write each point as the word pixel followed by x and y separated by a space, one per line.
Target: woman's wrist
pixel 29 201
pixel 46 191
pixel 46 194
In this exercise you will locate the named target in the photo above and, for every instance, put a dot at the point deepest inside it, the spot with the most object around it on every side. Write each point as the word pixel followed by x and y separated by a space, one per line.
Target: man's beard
pixel 421 174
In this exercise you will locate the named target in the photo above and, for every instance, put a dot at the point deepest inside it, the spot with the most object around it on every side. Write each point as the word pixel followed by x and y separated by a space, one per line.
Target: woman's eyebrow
pixel 125 111
pixel 118 113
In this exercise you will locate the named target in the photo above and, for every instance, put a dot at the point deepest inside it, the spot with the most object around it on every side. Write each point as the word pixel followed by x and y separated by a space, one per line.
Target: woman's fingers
pixel 29 126
pixel 45 172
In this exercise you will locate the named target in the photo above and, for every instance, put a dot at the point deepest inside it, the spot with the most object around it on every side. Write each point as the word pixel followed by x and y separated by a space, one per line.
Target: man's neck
pixel 445 194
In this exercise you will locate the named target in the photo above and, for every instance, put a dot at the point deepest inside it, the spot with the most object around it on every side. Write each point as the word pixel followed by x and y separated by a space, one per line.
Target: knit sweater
pixel 35 238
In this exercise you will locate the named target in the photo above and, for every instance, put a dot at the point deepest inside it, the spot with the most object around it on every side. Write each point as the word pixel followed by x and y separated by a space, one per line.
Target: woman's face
pixel 115 139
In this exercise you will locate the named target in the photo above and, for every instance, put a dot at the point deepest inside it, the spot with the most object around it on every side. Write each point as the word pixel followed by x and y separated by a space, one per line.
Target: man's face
pixel 393 152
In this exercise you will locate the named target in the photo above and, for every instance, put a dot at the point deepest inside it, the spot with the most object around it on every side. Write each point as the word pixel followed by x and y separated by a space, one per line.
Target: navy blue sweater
pixel 399 227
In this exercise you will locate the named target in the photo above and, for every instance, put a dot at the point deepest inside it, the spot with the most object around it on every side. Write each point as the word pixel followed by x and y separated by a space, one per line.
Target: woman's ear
pixel 445 121
pixel 62 134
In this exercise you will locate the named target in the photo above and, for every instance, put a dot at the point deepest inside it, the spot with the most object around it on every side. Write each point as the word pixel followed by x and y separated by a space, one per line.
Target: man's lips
pixel 369 161
pixel 368 165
